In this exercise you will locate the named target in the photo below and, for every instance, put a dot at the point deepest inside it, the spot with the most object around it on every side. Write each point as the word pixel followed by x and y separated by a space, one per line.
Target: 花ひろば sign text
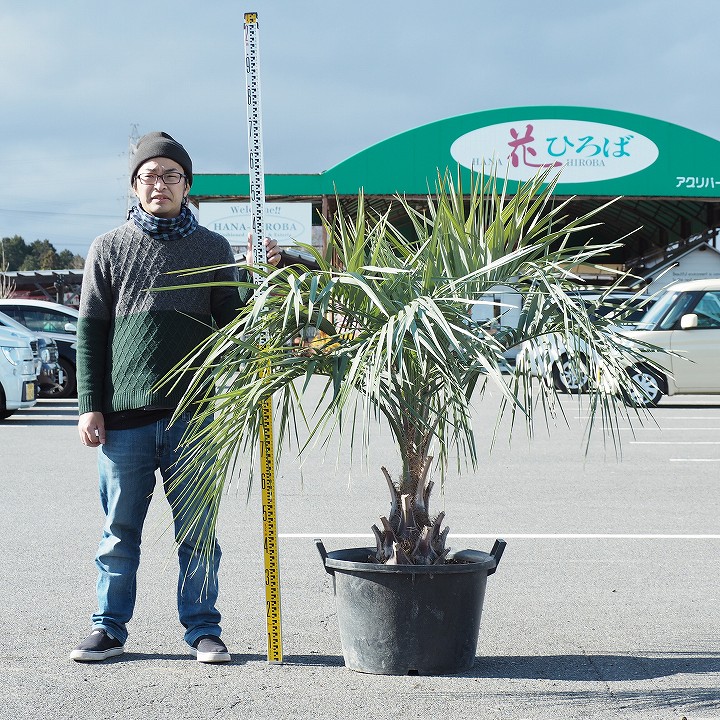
pixel 286 223
pixel 582 151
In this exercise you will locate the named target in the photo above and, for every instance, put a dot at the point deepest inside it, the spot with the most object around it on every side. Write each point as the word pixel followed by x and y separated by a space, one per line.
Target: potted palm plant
pixel 385 324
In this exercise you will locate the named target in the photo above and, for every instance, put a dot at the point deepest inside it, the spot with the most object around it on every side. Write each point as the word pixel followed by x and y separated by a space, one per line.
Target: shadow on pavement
pixel 682 700
pixel 611 668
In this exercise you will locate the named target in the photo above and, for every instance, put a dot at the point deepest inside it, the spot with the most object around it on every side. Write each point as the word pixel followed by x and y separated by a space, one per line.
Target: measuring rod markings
pixel 270 542
pixel 267 464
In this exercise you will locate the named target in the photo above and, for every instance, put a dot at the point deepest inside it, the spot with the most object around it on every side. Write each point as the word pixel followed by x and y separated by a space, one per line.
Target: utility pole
pixel 132 144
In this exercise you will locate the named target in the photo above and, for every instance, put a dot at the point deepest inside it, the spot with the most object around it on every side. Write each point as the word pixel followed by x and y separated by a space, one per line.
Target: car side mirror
pixel 70 327
pixel 688 322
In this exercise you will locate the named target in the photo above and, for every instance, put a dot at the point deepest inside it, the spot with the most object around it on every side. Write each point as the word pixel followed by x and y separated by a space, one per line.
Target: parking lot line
pixel 704 418
pixel 54 416
pixel 520 536
pixel 663 428
pixel 674 442
pixel 694 459
pixel 689 417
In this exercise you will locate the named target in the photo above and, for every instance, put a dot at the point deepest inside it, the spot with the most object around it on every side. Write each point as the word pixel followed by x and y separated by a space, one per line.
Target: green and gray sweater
pixel 130 338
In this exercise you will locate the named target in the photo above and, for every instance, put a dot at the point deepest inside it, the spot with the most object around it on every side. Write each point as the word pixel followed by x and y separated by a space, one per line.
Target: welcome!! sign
pixel 286 223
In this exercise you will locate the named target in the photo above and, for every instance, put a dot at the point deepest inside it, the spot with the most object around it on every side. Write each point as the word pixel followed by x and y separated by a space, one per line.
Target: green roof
pixel 603 153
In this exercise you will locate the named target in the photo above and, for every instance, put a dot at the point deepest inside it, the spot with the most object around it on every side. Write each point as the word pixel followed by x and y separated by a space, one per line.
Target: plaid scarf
pixel 164 228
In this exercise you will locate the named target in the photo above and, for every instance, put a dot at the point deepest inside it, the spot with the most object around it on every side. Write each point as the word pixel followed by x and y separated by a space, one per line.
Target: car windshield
pixel 623 310
pixel 669 308
pixel 626 311
pixel 40 320
pixel 7 321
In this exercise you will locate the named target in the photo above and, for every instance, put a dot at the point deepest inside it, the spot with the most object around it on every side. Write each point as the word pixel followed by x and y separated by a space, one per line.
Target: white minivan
pixel 683 328
pixel 18 373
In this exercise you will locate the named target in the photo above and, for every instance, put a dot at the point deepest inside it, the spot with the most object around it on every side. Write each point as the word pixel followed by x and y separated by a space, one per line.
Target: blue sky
pixel 78 76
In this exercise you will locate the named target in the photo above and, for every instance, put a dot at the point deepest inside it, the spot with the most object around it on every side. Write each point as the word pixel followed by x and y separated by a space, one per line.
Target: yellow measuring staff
pixel 267 451
pixel 270 540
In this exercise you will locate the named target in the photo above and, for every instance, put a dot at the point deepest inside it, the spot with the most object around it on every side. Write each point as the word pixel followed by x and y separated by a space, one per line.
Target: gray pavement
pixel 581 620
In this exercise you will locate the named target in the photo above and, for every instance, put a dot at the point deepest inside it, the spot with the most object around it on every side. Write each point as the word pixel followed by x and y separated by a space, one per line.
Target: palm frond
pixel 395 339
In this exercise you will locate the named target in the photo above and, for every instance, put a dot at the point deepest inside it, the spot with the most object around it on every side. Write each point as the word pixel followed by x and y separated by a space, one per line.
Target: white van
pixel 568 366
pixel 684 324
pixel 18 374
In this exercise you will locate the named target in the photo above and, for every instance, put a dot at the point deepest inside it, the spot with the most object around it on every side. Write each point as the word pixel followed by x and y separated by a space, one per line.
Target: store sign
pixel 581 151
pixel 286 223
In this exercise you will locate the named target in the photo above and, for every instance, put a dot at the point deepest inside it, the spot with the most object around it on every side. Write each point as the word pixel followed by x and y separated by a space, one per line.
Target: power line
pixel 51 212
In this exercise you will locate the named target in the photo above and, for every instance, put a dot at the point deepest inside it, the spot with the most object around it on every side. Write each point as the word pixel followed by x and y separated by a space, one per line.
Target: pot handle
pixel 323 554
pixel 497 551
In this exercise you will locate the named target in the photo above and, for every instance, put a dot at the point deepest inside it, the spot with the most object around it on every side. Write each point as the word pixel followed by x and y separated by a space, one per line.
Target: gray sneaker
pixel 210 649
pixel 98 645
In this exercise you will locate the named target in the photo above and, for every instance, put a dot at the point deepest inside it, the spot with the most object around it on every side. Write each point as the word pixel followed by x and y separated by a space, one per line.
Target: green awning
pixel 600 152
pixel 668 176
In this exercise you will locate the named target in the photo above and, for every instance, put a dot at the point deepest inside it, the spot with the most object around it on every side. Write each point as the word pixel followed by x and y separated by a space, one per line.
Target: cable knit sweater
pixel 128 337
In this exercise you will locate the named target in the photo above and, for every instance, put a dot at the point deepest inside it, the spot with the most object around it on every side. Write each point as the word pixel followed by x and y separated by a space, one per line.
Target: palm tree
pixel 393 338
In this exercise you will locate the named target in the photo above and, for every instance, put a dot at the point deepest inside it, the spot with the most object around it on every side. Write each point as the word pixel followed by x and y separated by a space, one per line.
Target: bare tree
pixel 7 286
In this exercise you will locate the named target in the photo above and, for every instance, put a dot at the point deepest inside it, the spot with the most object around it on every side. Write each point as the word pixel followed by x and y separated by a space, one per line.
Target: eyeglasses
pixel 168 178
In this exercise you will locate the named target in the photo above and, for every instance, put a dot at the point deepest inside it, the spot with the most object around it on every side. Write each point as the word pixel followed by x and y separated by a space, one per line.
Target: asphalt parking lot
pixel 605 605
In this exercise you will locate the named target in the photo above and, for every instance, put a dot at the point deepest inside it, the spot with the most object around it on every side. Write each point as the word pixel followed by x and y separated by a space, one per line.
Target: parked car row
pixel 18 372
pixel 55 321
pixel 38 348
pixel 678 331
pixel 569 366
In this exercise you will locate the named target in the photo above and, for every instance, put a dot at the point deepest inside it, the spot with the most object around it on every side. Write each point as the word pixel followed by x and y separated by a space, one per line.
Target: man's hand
pixel 91 427
pixel 272 249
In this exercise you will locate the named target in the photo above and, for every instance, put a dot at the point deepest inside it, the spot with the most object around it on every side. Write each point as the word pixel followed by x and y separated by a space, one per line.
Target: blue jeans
pixel 127 463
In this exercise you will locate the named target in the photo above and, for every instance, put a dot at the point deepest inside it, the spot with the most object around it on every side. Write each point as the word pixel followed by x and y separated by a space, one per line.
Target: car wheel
pixel 66 389
pixel 647 388
pixel 571 374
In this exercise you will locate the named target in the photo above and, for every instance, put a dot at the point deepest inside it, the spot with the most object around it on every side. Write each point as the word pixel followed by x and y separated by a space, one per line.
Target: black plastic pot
pixel 409 619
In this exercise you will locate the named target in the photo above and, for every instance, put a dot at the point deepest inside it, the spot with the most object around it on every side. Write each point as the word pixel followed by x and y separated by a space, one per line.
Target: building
pixel 659 182
pixel 658 185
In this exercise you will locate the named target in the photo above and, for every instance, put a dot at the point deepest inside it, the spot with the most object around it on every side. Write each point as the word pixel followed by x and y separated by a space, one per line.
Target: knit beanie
pixel 159 144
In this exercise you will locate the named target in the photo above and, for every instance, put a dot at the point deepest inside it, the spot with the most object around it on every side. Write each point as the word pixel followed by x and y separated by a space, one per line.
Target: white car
pixel 57 321
pixel 685 320
pixel 568 366
pixel 18 373
pixel 49 373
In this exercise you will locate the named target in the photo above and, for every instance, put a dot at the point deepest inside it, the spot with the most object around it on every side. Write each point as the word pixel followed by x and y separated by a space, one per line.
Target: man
pixel 129 338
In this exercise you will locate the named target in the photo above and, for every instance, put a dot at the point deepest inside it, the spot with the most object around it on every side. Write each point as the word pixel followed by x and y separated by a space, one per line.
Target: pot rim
pixel 467 561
